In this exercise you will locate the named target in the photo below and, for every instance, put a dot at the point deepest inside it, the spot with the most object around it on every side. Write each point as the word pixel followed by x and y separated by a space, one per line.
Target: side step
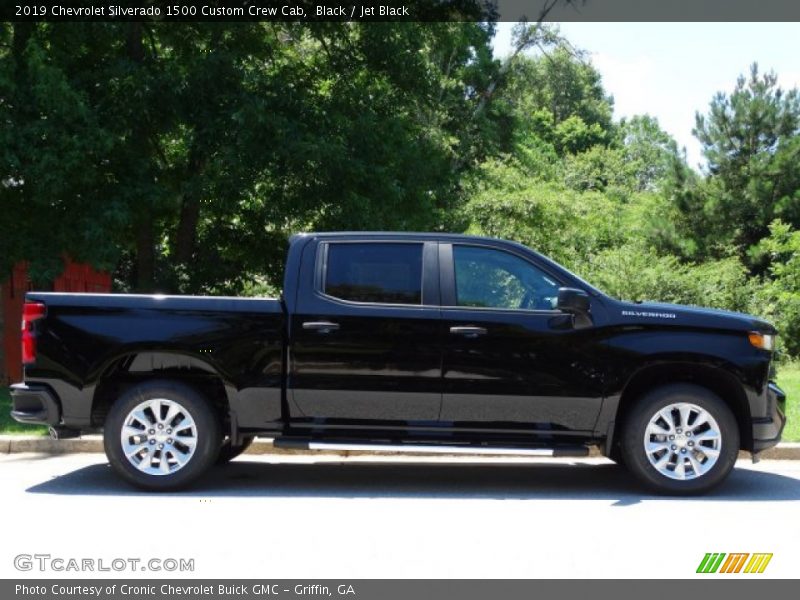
pixel 308 444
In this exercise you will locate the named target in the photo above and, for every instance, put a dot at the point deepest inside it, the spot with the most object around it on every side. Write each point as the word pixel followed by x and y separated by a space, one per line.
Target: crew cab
pixel 409 342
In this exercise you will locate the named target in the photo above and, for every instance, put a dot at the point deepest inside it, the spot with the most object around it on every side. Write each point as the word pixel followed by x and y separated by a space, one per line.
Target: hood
pixel 692 316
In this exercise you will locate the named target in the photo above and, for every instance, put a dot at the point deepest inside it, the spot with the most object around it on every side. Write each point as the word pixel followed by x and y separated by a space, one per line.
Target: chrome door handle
pixel 469 331
pixel 321 326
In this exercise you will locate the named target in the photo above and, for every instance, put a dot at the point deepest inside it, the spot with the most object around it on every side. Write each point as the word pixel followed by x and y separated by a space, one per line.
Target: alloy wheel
pixel 159 436
pixel 682 441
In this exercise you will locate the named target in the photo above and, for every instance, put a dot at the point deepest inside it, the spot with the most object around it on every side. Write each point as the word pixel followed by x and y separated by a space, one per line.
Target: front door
pixel 511 360
pixel 365 345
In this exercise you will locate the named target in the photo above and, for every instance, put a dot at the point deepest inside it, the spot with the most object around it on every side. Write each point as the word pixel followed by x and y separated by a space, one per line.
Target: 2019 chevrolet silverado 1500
pixel 407 342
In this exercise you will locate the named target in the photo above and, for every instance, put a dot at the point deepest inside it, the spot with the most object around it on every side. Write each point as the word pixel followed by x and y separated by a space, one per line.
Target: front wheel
pixel 161 435
pixel 680 439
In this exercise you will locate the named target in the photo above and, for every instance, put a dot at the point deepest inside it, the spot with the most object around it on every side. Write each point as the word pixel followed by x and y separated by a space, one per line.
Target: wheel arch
pixel 716 380
pixel 136 367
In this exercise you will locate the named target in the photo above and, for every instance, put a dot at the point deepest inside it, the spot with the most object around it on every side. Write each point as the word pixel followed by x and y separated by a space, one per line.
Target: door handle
pixel 469 331
pixel 321 326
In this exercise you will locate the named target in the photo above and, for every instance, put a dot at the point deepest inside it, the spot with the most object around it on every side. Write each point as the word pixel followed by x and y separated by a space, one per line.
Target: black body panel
pixel 380 363
pixel 525 371
pixel 85 338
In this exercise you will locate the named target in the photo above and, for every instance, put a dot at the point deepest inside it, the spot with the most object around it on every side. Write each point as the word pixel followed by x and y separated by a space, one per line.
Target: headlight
pixel 765 341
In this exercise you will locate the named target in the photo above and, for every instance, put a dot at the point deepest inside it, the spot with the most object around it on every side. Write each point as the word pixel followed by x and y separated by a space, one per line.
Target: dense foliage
pixel 182 158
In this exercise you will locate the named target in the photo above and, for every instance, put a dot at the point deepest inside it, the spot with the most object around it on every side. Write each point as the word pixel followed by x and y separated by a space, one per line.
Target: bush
pixel 780 294
pixel 566 225
pixel 633 272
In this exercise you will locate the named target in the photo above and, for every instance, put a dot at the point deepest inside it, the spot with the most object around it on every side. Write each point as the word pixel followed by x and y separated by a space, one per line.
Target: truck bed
pixel 85 337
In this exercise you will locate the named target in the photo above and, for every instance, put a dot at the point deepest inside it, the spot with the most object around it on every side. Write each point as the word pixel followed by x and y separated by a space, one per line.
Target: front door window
pixel 489 278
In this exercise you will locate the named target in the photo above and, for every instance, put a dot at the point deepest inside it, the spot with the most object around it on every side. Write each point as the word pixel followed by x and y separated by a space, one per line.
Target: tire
pixel 694 459
pixel 616 456
pixel 189 448
pixel 228 452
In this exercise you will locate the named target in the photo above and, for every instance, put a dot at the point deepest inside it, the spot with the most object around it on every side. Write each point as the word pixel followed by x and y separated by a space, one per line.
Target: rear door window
pixel 385 273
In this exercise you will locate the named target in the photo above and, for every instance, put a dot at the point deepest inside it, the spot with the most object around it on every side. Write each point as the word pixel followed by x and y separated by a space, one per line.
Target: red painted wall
pixel 77 277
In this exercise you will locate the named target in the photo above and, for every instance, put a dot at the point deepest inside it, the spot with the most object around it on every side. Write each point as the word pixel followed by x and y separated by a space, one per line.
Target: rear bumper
pixel 34 405
pixel 767 430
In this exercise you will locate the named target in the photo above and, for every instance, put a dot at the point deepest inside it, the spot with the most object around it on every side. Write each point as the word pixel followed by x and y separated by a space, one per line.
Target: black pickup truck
pixel 429 343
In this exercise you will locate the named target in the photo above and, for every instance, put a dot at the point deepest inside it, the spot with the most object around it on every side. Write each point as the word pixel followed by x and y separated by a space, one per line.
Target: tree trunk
pixel 145 255
pixel 186 232
pixel 144 233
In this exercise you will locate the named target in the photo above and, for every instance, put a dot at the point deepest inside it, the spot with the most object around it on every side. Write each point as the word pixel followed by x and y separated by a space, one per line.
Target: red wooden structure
pixel 77 277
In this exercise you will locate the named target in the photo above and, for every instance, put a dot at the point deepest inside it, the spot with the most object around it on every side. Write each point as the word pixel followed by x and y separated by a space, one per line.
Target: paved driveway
pixel 328 517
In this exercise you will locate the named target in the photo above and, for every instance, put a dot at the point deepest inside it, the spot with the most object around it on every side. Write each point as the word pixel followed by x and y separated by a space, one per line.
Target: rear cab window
pixel 374 272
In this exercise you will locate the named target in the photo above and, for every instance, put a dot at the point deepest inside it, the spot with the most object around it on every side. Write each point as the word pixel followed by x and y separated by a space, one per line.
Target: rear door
pixel 510 359
pixel 365 342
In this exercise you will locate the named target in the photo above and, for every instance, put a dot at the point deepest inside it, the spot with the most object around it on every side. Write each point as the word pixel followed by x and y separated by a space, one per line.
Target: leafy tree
pixel 752 144
pixel 566 225
pixel 559 98
pixel 641 158
pixel 779 298
pixel 635 271
pixel 598 168
pixel 185 155
pixel 651 154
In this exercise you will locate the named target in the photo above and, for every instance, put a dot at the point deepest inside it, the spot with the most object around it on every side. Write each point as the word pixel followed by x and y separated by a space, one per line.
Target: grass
pixel 789 380
pixel 9 425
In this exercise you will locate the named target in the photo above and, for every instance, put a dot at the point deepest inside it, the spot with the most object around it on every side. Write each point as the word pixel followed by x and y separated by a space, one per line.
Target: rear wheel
pixel 680 439
pixel 161 435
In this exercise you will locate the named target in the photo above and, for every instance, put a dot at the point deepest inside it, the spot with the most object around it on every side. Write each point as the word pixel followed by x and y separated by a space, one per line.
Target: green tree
pixel 564 224
pixel 779 298
pixel 184 156
pixel 558 97
pixel 752 144
pixel 55 151
pixel 650 153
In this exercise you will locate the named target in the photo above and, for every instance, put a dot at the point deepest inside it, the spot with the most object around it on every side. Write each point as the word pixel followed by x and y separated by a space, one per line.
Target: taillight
pixel 31 311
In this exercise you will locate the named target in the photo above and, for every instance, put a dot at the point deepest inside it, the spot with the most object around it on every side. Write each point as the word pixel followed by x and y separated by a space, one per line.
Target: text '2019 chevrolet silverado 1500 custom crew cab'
pixel 404 342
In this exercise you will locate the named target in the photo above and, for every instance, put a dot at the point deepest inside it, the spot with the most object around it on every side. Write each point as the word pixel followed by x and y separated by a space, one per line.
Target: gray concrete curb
pixel 12 444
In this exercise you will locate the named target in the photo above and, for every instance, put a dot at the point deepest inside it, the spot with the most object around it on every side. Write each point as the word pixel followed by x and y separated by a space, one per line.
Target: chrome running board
pixel 306 444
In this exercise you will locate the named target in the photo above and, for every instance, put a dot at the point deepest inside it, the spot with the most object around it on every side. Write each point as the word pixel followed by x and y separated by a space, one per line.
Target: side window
pixel 489 278
pixel 375 272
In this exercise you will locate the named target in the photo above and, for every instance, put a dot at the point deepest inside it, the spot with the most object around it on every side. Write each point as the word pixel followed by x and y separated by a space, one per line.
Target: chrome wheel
pixel 159 436
pixel 682 441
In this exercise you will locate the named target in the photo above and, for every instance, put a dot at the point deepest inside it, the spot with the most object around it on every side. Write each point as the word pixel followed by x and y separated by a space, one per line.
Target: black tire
pixel 206 430
pixel 228 452
pixel 616 455
pixel 632 441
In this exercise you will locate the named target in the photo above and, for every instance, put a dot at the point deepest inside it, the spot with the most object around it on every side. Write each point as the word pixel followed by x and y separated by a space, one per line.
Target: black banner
pixel 399 10
pixel 389 589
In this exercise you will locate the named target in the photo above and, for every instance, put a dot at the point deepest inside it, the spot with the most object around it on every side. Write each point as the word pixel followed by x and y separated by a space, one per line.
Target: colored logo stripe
pixel 733 564
pixel 758 563
pixel 710 563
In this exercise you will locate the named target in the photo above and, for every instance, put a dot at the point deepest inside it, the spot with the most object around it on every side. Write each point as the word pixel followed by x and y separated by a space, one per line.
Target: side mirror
pixel 573 300
pixel 576 303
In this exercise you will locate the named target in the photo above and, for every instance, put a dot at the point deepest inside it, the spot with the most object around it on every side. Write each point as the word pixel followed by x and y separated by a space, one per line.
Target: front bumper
pixel 34 405
pixel 767 430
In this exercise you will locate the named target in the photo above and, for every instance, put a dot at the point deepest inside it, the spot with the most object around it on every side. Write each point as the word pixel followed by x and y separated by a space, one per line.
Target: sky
pixel 672 70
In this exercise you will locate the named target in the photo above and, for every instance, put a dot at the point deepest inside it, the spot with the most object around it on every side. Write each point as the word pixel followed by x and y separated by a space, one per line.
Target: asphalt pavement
pixel 379 517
